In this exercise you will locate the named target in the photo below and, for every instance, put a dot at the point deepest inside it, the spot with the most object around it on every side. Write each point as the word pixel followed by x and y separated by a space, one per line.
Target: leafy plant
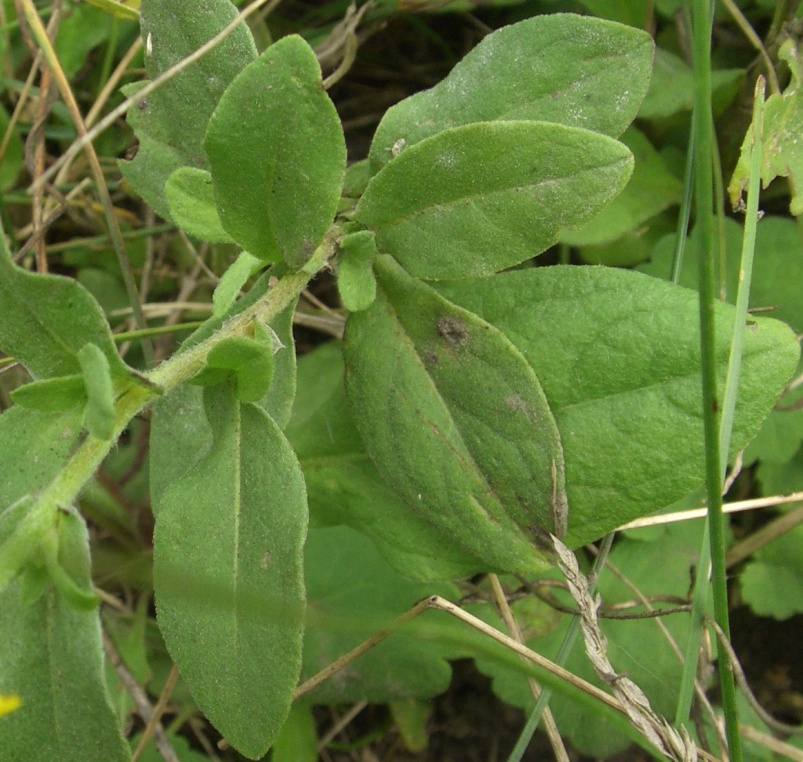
pixel 477 407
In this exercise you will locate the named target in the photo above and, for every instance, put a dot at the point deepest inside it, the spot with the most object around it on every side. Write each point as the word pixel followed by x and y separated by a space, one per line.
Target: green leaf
pixel 298 739
pixel 45 321
pixel 782 154
pixel 651 189
pixel 772 582
pixel 248 361
pixel 99 414
pixel 672 87
pixel 53 395
pixel 278 155
pixel 455 421
pixel 618 357
pixel 228 575
pixel 232 281
pixel 343 485
pixel 355 270
pixel 51 654
pixel 573 70
pixel 170 122
pixel 17 542
pixel 480 198
pixel 35 446
pixel 192 204
pixel 352 595
pixel 775 284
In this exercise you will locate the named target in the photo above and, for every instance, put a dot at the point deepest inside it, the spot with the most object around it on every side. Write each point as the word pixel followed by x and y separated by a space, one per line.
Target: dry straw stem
pixel 700 513
pixel 698 688
pixel 676 745
pixel 629 699
pixel 42 39
pixel 513 628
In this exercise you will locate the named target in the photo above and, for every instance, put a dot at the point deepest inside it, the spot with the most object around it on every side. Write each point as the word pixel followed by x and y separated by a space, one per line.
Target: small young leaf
pixel 99 414
pixel 249 361
pixel 45 320
pixel 228 573
pixel 573 70
pixel 232 281
pixel 477 199
pixel 192 204
pixel 617 354
pixel 456 421
pixel 53 395
pixel 278 155
pixel 63 551
pixel 51 654
pixel 170 122
pixel 355 270
pixel 17 543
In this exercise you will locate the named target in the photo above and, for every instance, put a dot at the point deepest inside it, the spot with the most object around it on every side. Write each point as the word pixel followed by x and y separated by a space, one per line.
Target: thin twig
pixel 141 702
pixel 553 733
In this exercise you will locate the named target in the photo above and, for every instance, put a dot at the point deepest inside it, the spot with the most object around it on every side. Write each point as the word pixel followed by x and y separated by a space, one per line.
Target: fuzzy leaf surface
pixel 278 155
pixel 52 657
pixel 455 421
pixel 651 189
pixel 775 284
pixel 343 485
pixel 480 198
pixel 618 357
pixel 228 573
pixel 170 123
pixel 355 272
pixel 45 321
pixel 35 446
pixel 573 70
pixel 192 204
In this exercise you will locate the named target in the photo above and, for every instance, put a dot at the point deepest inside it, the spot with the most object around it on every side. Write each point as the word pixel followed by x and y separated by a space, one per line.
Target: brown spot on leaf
pixel 265 563
pixel 452 330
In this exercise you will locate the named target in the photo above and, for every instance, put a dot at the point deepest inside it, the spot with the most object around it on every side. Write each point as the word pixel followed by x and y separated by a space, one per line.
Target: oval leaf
pixel 228 573
pixel 45 321
pixel 278 155
pixel 455 421
pixel 343 485
pixel 618 354
pixel 52 656
pixel 574 70
pixel 170 122
pixel 480 198
pixel 99 413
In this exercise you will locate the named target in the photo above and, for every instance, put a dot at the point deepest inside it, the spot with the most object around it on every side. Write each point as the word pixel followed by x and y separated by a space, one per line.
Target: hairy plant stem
pixel 80 468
